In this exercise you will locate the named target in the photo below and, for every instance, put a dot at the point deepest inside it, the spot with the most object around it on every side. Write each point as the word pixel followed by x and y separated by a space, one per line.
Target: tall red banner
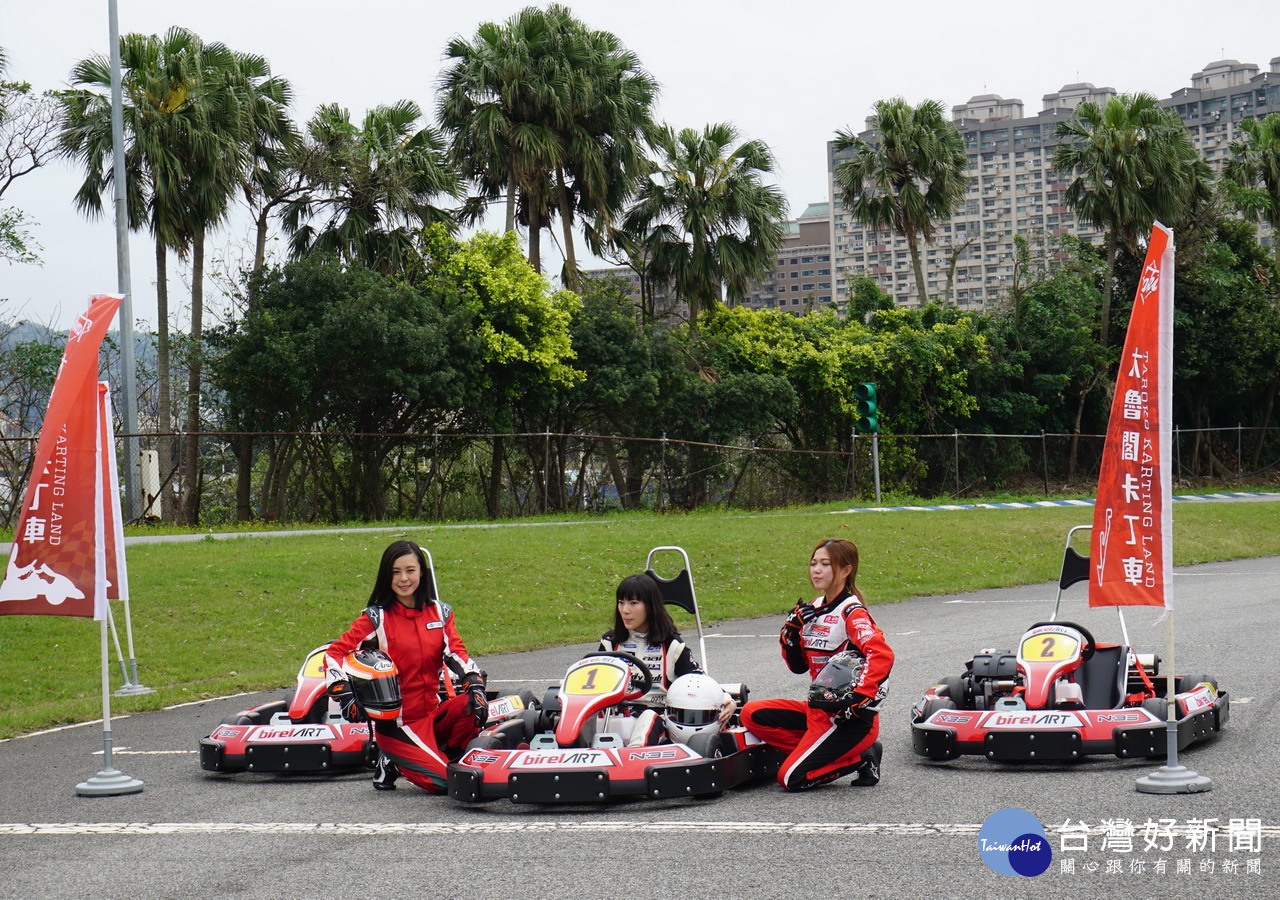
pixel 57 565
pixel 1131 548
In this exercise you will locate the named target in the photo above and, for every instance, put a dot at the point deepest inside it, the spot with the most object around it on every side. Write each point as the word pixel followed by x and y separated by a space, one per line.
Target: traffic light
pixel 868 421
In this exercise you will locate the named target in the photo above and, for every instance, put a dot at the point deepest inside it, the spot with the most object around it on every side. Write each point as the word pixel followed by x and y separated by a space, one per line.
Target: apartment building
pixel 1013 189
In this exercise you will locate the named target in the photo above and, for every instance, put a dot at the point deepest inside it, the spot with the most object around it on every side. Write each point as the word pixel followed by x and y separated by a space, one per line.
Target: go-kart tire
pixel 708 746
pixel 935 705
pixel 533 720
pixel 1157 706
pixel 259 715
pixel 1188 682
pixel 956 691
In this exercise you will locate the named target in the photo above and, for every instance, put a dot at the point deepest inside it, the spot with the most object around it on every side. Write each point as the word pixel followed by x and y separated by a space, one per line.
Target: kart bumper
pixel 684 778
pixel 238 755
pixel 1147 738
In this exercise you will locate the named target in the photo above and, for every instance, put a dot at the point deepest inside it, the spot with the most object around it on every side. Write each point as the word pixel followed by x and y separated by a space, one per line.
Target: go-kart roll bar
pixel 678 591
pixel 1076 568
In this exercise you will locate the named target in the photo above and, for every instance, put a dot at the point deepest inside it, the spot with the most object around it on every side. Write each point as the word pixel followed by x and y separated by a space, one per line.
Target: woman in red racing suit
pixel 643 628
pixel 821 745
pixel 418 632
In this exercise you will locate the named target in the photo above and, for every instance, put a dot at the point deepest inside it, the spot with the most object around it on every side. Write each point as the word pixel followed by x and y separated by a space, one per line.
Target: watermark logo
pixel 1012 842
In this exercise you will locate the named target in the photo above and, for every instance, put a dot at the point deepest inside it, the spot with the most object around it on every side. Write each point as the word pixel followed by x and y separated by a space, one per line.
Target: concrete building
pixel 1013 189
pixel 803 278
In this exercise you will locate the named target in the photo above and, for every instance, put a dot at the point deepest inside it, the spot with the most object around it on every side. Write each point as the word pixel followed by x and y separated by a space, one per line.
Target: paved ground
pixel 193 834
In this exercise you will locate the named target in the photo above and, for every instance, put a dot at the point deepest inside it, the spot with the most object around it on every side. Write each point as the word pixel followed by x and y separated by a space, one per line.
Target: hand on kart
pixel 477 702
pixel 727 710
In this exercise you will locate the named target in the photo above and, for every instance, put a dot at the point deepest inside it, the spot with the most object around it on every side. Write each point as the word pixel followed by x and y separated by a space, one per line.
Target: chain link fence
pixel 319 477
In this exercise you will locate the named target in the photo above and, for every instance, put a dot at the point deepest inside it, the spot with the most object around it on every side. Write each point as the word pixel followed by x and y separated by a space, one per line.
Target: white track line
pixel 882 829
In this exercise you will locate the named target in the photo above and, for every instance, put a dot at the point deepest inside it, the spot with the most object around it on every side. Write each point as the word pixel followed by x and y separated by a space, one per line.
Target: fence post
pixel 662 483
pixel 1177 453
pixel 1239 452
pixel 546 470
pixel 957 454
pixel 1044 461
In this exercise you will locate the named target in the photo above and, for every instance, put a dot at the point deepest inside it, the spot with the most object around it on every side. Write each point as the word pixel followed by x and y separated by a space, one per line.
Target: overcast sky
pixel 789 73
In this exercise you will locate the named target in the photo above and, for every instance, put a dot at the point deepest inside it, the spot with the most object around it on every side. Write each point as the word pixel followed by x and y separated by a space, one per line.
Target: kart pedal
pixel 869 770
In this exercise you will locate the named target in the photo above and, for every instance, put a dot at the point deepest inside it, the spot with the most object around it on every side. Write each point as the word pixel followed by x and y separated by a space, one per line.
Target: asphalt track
pixel 191 834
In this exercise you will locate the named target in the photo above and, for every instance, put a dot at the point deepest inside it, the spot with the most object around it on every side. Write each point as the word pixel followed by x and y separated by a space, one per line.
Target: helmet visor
pixel 377 693
pixel 693 717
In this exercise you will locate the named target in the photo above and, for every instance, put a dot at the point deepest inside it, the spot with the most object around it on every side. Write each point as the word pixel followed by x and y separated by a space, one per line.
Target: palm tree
pixel 162 120
pixel 1131 163
pixel 705 220
pixel 196 116
pixel 1255 166
pixel 909 176
pixel 549 114
pixel 371 189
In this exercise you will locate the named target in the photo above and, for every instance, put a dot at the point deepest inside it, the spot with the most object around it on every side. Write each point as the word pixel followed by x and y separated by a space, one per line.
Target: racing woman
pixel 643 627
pixel 418 632
pixel 821 744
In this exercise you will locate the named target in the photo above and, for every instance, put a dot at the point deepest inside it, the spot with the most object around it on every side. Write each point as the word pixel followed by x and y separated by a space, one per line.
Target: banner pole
pixel 109 781
pixel 115 639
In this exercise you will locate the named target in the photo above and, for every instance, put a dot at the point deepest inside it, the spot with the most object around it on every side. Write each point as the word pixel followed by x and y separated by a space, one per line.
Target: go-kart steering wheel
pixel 641 677
pixel 1086 650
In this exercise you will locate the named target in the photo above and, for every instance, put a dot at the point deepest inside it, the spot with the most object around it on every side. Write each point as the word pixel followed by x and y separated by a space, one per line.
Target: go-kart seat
pixel 677 591
pixel 1102 677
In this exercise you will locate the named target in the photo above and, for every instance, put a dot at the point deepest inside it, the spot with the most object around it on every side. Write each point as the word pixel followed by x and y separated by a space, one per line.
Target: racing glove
pixel 857 709
pixel 790 637
pixel 351 711
pixel 477 702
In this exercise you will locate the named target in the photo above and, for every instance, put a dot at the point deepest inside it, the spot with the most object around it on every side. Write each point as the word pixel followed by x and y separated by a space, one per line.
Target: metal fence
pixel 322 477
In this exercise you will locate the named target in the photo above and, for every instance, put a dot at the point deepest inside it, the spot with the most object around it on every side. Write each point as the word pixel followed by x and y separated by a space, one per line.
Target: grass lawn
pixel 214 617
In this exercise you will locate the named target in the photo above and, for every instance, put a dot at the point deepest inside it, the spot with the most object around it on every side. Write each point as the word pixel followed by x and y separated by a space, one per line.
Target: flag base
pixel 109 783
pixel 1174 780
pixel 130 690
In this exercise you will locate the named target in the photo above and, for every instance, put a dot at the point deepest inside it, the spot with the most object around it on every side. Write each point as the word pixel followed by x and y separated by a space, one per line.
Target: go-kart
pixel 574 748
pixel 306 732
pixel 1062 695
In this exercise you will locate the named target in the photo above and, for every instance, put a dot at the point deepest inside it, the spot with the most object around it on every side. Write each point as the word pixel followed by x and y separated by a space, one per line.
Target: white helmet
pixel 693 707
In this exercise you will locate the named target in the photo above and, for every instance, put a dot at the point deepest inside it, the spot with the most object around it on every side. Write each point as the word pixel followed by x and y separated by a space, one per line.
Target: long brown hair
pixel 843 553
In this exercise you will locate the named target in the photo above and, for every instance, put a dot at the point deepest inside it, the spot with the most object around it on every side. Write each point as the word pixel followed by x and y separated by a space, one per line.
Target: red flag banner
pixel 57 563
pixel 1131 548
pixel 113 524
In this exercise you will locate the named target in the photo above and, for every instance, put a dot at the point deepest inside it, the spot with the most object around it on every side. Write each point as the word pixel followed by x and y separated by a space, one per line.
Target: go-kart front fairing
pixel 1063 696
pixel 302 733
pixel 575 749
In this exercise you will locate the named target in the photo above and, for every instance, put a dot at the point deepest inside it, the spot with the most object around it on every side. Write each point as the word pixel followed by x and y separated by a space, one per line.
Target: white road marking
pixel 881 829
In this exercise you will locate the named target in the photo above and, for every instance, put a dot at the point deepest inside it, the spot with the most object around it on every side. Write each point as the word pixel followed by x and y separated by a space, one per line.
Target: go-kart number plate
pixel 1049 647
pixel 595 679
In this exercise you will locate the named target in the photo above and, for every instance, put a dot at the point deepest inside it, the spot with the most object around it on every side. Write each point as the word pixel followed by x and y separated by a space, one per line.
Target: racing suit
pixel 666 663
pixel 823 746
pixel 420 642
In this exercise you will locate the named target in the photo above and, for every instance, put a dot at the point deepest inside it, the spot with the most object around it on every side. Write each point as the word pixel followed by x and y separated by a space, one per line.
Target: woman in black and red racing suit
pixel 419 634
pixel 643 628
pixel 821 745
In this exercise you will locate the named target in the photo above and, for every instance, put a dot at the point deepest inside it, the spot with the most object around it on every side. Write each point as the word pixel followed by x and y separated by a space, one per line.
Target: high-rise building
pixel 1014 190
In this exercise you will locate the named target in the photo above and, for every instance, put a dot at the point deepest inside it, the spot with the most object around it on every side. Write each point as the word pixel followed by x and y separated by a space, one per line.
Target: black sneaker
pixel 869 771
pixel 384 778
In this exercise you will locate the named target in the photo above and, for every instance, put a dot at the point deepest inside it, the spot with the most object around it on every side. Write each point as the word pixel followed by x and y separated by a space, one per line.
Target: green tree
pixel 706 221
pixel 191 112
pixel 519 336
pixel 1254 167
pixel 549 114
pixel 1130 162
pixel 907 177
pixel 371 189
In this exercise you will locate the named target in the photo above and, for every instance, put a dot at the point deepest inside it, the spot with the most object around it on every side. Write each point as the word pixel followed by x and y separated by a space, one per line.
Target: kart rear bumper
pixel 1147 739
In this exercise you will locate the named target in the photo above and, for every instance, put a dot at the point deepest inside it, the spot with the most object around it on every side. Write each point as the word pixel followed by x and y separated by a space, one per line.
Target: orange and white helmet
pixel 375 681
